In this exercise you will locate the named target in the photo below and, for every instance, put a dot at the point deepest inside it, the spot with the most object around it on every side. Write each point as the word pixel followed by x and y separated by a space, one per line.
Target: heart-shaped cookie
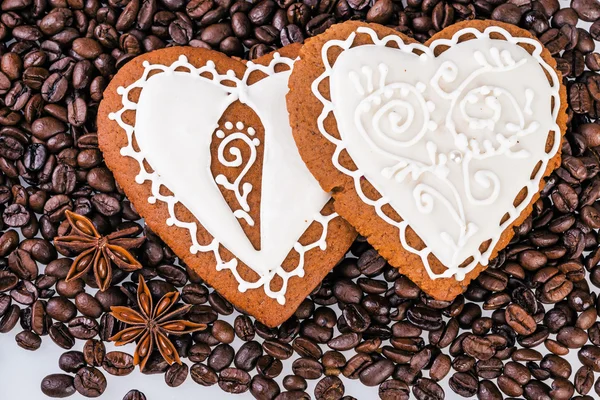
pixel 202 146
pixel 433 151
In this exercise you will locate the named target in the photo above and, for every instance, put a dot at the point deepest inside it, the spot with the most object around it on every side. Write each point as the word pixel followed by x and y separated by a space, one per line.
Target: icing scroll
pixel 178 111
pixel 240 189
pixel 448 141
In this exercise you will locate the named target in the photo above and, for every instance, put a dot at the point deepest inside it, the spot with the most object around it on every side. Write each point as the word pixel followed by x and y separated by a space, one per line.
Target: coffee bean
pixel 307 368
pixel 118 363
pixel 176 374
pixel 221 357
pixel 90 382
pixel 134 395
pixel 233 380
pixel 61 309
pixel 28 340
pixel 58 385
pixel 60 334
pixel 464 384
pixel 427 389
pixel 71 361
pixel 247 355
pixel 94 352
pixel 203 375
pixel 376 373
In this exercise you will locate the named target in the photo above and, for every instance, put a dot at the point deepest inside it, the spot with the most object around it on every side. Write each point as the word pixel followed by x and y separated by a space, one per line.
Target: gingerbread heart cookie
pixel 202 146
pixel 432 151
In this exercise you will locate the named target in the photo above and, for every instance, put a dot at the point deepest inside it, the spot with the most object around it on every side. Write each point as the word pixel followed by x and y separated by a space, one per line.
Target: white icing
pixel 448 141
pixel 176 114
pixel 240 190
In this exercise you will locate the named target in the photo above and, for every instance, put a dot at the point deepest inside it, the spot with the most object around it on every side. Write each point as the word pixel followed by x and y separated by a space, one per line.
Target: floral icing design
pixel 225 89
pixel 442 132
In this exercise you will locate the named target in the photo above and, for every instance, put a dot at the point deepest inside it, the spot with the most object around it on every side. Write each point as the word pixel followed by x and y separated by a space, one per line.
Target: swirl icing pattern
pixel 449 134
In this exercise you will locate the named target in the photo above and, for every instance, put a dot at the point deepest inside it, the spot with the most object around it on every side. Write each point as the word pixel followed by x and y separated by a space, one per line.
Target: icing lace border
pixel 532 188
pixel 237 92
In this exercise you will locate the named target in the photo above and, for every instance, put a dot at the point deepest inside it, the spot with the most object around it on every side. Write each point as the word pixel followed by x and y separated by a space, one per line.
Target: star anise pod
pixel 151 325
pixel 97 251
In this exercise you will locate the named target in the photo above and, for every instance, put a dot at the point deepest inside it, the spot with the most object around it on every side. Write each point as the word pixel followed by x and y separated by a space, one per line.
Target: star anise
pixel 97 251
pixel 151 325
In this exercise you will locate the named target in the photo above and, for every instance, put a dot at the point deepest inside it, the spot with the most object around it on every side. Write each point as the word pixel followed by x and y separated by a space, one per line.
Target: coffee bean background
pixel 527 327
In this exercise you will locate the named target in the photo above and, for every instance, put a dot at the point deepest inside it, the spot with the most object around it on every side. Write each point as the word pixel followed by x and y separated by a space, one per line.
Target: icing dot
pixel 421 87
pixel 281 299
pixel 228 125
pixel 431 106
pixel 255 141
pixel 239 125
pixel 221 179
pixel 460 276
pixel 251 131
pixel 220 134
pixel 121 90
pixel 456 156
pixel 194 249
pixel 112 116
pixel 182 58
pixel 151 199
pixel 432 126
pixel 139 179
pixel 145 64
pixel 170 221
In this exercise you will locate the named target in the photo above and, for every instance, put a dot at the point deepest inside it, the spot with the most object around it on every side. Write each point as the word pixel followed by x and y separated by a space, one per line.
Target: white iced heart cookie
pixel 445 144
pixel 217 175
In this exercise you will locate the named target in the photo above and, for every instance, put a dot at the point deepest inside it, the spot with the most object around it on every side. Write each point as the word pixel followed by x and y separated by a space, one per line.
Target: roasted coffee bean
pixel 221 357
pixel 94 352
pixel 233 380
pixel 203 375
pixel 60 334
pixel 223 331
pixel 90 382
pixel 307 368
pixel 247 356
pixel 520 320
pixel 28 340
pixel 118 363
pixel 58 385
pixel 71 361
pixel 9 319
pixel 376 373
pixel 176 374
pixel 263 388
pixel 88 305
pixel 61 309
pixel 427 389
pixel 464 384
pixel 590 356
pixel 83 327
pixel 134 395
pixel 395 390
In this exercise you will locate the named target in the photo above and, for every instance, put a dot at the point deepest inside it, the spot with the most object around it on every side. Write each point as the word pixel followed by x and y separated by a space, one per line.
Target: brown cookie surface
pixel 240 119
pixel 317 133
